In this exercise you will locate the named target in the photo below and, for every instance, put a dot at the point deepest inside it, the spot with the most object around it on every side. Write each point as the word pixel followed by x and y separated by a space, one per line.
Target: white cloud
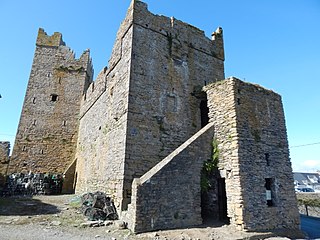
pixel 311 163
pixel 306 166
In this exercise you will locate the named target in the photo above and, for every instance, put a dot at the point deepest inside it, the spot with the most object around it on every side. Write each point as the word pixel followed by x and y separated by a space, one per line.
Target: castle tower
pixel 147 103
pixel 253 155
pixel 48 127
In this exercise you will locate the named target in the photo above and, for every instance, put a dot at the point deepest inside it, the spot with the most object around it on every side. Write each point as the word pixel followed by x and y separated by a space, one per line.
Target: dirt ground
pixel 58 217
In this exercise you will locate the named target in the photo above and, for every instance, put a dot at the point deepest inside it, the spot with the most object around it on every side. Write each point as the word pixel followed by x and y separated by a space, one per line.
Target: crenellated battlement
pixel 44 39
pixel 179 34
pixel 94 91
pixel 68 62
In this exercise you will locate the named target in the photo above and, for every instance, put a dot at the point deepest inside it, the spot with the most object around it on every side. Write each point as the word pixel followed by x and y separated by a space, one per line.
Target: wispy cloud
pixel 306 166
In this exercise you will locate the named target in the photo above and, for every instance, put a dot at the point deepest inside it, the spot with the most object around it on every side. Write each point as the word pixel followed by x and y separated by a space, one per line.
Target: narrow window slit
pixel 267 157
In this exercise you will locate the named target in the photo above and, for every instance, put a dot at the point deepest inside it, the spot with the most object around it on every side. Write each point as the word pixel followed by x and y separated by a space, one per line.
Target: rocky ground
pixel 58 217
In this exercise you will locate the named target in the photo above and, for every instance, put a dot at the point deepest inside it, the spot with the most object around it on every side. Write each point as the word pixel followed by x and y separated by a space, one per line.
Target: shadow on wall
pixel 2 181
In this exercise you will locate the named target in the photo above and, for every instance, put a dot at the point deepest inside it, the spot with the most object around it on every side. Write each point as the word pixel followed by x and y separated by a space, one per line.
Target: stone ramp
pixel 168 196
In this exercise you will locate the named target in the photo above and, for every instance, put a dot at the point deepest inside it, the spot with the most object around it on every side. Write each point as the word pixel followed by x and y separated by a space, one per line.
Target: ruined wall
pixel 264 153
pixel 4 160
pixel 171 61
pixel 103 122
pixel 47 131
pixel 168 196
pixel 250 128
pixel 222 112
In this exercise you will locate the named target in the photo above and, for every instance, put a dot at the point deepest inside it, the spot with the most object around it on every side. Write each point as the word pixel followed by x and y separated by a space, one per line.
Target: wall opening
pixel 267 157
pixel 204 112
pixel 222 200
pixel 54 97
pixel 214 199
pixel 269 182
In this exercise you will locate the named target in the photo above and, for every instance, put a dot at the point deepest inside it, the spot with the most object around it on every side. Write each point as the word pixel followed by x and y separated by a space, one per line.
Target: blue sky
pixel 274 43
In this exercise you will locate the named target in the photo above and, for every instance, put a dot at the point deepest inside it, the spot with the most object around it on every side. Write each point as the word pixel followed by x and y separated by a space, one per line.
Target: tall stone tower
pixel 147 102
pixel 48 127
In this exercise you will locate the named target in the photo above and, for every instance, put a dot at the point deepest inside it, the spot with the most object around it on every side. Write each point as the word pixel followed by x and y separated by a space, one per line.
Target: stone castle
pixel 144 128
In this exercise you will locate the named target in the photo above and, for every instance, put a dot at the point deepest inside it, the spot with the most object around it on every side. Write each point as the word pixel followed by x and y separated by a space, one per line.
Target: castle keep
pixel 144 128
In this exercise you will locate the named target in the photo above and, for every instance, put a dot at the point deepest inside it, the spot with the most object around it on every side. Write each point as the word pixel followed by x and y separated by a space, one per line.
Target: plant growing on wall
pixel 209 167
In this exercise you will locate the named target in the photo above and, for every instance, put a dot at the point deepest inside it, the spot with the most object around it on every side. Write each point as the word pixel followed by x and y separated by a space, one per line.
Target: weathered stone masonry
pixel 145 109
pixel 4 160
pixel 250 129
pixel 48 128
pixel 143 129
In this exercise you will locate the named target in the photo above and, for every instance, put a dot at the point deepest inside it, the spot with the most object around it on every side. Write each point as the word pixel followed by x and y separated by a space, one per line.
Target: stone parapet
pixel 50 41
pixel 178 32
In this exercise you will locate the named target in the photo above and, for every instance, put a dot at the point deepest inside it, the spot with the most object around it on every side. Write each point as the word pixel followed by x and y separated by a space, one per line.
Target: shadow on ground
pixel 286 233
pixel 25 206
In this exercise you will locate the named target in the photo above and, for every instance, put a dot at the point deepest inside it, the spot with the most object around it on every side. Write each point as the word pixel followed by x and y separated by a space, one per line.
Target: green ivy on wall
pixel 209 166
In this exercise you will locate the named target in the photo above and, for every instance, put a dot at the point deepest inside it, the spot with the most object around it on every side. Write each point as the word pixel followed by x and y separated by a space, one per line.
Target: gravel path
pixel 56 218
pixel 36 232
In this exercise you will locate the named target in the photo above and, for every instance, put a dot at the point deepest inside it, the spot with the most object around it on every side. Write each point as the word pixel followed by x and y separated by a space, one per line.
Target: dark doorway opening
pixel 222 200
pixel 214 201
pixel 204 112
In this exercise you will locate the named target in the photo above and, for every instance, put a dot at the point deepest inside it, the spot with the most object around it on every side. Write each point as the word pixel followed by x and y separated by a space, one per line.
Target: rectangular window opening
pixel 54 97
pixel 269 192
pixel 267 157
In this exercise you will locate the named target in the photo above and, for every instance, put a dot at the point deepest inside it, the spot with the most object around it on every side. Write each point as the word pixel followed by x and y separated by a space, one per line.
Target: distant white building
pixel 307 180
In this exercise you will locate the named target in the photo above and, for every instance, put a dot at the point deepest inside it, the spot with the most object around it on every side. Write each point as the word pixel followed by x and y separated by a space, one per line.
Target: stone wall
pixel 250 128
pixel 222 112
pixel 144 105
pixel 103 122
pixel 48 127
pixel 171 60
pixel 4 160
pixel 168 196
